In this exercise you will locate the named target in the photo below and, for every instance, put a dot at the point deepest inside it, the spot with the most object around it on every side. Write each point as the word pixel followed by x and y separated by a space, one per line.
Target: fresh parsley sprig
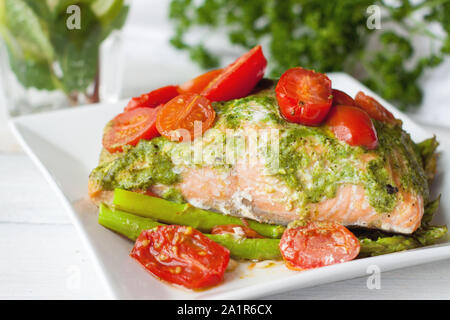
pixel 326 36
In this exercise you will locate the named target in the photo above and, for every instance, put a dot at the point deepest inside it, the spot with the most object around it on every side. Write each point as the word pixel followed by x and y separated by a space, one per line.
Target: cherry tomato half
pixel 341 98
pixel 128 128
pixel 181 255
pixel 177 117
pixel 151 193
pixel 239 78
pixel 352 125
pixel 199 83
pixel 236 230
pixel 304 96
pixel 375 109
pixel 318 244
pixel 153 98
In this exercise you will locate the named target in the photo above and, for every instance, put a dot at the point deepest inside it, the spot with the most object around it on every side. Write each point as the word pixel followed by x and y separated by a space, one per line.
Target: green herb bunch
pixel 326 36
pixel 44 53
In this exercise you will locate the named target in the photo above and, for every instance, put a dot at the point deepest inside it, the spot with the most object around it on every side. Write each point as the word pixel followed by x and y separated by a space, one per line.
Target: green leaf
pixel 29 49
pixel 27 30
pixel 78 50
pixel 37 36
pixel 79 65
pixel 41 9
pixel 107 10
pixel 29 73
pixel 325 36
pixel 203 57
pixel 115 23
pixel 60 6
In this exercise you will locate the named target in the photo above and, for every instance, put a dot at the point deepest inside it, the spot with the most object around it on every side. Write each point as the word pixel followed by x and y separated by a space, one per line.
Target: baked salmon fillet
pixel 254 164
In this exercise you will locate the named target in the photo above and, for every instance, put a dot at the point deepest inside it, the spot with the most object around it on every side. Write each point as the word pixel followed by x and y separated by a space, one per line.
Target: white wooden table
pixel 41 255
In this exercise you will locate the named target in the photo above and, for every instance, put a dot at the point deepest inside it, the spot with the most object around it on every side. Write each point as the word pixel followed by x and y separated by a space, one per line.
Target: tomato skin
pixel 179 114
pixel 318 244
pixel 147 192
pixel 239 78
pixel 128 128
pixel 199 83
pixel 153 98
pixel 231 229
pixel 341 98
pixel 375 109
pixel 352 125
pixel 150 193
pixel 181 255
pixel 304 96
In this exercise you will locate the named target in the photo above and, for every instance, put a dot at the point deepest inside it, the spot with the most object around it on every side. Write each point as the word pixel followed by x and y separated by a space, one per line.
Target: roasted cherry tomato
pixel 318 244
pixel 197 85
pixel 147 192
pixel 151 193
pixel 181 255
pixel 128 128
pixel 177 117
pixel 304 96
pixel 153 98
pixel 341 98
pixel 352 125
pixel 375 109
pixel 236 229
pixel 239 78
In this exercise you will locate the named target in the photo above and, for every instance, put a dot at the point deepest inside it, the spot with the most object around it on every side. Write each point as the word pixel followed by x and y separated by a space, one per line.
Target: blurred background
pixel 125 48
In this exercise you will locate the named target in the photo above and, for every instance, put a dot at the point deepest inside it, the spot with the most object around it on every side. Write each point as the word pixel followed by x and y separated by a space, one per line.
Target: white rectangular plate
pixel 65 145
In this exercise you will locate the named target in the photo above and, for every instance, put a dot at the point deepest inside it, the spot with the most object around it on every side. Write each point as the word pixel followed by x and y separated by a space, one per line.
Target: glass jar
pixel 50 51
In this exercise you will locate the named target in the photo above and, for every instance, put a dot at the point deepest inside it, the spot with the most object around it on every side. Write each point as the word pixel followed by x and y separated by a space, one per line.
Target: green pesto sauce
pixel 173 194
pixel 311 161
pixel 141 167
pixel 318 174
pixel 261 107
pixel 396 146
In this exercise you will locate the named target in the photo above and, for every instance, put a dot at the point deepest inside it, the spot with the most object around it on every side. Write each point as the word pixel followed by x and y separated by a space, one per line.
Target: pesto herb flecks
pixel 313 161
pixel 310 161
pixel 255 108
pixel 139 168
pixel 396 146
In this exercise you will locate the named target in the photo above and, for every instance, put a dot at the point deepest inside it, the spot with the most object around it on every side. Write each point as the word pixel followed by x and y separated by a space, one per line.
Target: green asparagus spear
pixel 386 245
pixel 428 235
pixel 124 223
pixel 249 249
pixel 131 227
pixel 184 214
pixel 424 236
